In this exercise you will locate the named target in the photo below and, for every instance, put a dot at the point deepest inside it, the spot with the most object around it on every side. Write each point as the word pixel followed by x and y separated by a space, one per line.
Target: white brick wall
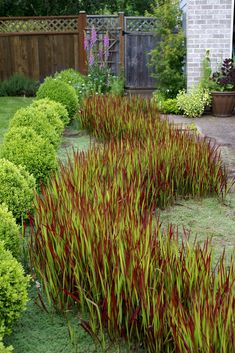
pixel 208 27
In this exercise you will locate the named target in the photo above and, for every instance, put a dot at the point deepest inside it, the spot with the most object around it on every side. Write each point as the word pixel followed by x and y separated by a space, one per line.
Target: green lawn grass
pixel 40 332
pixel 8 106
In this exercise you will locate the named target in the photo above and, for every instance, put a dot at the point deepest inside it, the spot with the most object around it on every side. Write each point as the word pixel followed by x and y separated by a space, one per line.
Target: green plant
pixel 23 146
pixel 61 92
pixel 19 85
pixel 37 120
pixel 5 349
pixel 16 188
pixel 206 82
pixel 117 85
pixel 56 113
pixel 165 105
pixel 9 231
pixel 75 79
pixel 167 59
pixel 13 289
pixel 193 103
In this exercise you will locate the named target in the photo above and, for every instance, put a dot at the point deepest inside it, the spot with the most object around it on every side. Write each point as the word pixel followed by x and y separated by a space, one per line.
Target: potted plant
pixel 223 93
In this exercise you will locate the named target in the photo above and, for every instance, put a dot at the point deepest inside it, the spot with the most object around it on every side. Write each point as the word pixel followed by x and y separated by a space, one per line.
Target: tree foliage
pixel 167 59
pixel 71 7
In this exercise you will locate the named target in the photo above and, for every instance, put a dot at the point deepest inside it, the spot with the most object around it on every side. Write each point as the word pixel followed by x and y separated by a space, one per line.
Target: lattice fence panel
pixel 140 24
pixel 38 25
pixel 102 23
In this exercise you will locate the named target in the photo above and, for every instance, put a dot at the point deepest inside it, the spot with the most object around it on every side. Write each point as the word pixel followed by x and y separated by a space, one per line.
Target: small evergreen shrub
pixel 165 105
pixel 75 79
pixel 16 188
pixel 9 231
pixel 19 85
pixel 193 103
pixel 13 289
pixel 56 113
pixel 61 92
pixel 31 117
pixel 23 146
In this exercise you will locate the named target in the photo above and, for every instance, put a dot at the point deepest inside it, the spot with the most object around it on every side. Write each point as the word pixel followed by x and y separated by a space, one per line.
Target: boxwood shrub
pixel 22 146
pixel 31 117
pixel 4 349
pixel 56 113
pixel 9 231
pixel 13 290
pixel 16 188
pixel 61 92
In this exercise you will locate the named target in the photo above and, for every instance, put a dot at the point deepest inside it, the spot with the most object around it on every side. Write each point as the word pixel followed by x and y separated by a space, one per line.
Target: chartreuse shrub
pixel 75 79
pixel 9 231
pixel 61 92
pixel 16 188
pixel 38 121
pixel 193 102
pixel 22 146
pixel 13 290
pixel 94 241
pixel 56 113
pixel 165 105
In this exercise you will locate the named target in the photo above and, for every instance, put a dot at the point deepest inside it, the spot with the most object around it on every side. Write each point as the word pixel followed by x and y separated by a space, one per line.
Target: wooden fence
pixel 40 46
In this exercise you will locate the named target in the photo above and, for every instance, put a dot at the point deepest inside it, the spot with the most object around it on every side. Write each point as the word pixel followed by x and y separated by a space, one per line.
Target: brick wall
pixel 208 27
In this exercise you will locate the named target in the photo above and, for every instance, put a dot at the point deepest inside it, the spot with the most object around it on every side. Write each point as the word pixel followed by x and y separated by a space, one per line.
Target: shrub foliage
pixel 61 92
pixel 9 231
pixel 16 188
pixel 23 146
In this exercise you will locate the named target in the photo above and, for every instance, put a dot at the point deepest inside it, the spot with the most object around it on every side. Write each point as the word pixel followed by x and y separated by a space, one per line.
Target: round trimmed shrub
pixel 75 79
pixel 9 231
pixel 56 113
pixel 23 146
pixel 61 92
pixel 16 188
pixel 13 290
pixel 31 117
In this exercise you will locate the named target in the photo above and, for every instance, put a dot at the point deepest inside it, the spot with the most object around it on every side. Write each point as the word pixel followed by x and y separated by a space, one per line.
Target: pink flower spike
pixel 93 36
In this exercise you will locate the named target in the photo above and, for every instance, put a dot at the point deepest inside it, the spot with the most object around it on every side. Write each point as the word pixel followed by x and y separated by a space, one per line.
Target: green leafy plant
pixel 19 85
pixel 117 85
pixel 9 231
pixel 4 349
pixel 23 146
pixel 167 59
pixel 38 121
pixel 13 290
pixel 16 188
pixel 75 79
pixel 193 102
pixel 56 113
pixel 165 105
pixel 61 92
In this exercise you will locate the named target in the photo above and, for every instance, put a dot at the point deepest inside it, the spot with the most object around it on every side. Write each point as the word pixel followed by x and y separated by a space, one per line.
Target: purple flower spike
pixel 93 36
pixel 91 59
pixel 106 41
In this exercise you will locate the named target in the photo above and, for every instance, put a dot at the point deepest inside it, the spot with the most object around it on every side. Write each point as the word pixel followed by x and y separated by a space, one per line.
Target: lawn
pixel 38 331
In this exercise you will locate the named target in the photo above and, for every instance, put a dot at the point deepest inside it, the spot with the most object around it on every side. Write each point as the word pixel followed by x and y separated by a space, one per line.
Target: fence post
pixel 82 59
pixel 122 41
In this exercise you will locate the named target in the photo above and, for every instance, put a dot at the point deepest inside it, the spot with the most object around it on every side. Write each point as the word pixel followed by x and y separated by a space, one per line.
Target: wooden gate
pixel 139 41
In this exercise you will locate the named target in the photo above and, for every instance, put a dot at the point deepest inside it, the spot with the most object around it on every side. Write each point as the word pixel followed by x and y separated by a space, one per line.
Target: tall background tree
pixel 72 7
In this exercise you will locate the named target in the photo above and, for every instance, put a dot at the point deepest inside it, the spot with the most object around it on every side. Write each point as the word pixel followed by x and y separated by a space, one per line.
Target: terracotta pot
pixel 223 103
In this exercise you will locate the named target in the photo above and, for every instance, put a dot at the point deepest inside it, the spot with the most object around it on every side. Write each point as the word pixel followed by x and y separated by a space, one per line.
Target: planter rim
pixel 224 93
